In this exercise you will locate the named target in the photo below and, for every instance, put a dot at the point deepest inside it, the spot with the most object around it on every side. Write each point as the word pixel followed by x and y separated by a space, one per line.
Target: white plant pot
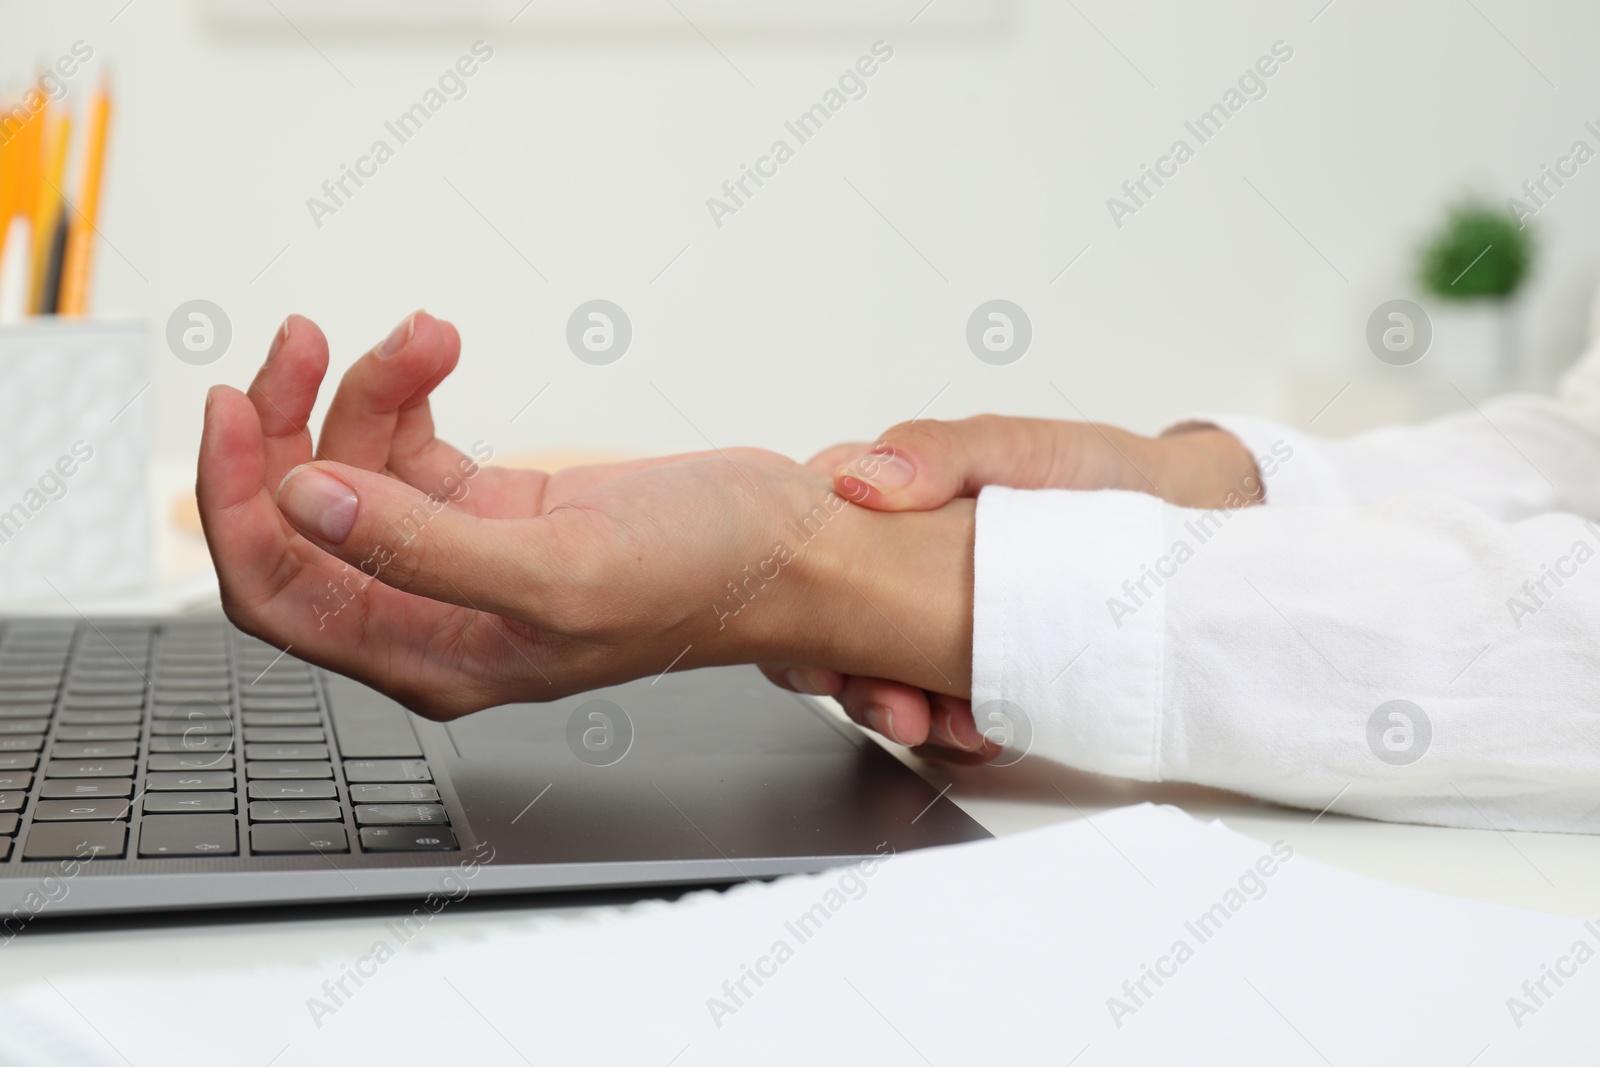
pixel 1475 346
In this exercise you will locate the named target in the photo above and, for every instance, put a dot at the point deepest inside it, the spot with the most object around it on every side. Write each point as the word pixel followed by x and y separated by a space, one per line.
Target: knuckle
pixel 925 437
pixel 399 556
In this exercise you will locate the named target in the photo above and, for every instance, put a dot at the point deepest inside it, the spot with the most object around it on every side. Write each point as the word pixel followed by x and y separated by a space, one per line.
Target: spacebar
pixel 369 727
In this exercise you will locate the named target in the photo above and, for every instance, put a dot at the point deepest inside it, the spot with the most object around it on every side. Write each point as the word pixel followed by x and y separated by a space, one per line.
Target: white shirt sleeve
pixel 1513 456
pixel 1429 655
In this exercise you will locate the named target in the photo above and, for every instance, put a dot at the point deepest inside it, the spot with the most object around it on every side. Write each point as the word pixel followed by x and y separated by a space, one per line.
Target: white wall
pixel 806 318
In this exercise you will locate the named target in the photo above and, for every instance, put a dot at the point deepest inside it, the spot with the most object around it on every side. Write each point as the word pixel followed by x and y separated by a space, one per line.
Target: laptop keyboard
pixel 138 741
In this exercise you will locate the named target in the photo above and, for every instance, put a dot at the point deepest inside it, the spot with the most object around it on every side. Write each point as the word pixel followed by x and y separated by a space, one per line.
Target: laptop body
pixel 176 763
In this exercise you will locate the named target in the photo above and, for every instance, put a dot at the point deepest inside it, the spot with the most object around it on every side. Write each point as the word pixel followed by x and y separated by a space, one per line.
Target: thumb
pixel 413 541
pixel 920 465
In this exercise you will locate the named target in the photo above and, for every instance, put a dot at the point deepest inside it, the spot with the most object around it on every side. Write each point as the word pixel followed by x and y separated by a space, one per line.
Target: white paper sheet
pixel 1037 948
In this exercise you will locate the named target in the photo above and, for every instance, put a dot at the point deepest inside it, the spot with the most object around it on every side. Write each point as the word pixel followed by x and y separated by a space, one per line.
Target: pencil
pixel 50 295
pixel 47 209
pixel 8 171
pixel 14 263
pixel 80 239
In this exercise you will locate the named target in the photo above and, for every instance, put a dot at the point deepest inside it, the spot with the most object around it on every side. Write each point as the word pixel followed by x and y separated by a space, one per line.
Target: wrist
pixel 887 595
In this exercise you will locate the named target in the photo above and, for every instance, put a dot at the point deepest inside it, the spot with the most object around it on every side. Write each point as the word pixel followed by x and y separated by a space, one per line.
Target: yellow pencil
pixel 85 213
pixel 47 208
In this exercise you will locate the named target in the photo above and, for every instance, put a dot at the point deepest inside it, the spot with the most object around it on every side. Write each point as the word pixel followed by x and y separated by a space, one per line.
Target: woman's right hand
pixel 924 464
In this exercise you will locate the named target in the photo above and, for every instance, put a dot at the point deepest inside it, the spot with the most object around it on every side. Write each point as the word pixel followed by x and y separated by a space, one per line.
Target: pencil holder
pixel 74 505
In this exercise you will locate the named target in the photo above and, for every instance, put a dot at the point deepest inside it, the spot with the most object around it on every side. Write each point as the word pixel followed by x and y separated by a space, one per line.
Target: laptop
pixel 177 763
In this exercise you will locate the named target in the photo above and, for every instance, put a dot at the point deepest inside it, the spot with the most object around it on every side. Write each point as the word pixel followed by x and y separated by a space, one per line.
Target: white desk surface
pixel 1555 873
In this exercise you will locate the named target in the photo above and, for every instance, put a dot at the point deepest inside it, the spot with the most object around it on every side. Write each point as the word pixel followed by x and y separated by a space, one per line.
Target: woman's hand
pixel 925 464
pixel 401 561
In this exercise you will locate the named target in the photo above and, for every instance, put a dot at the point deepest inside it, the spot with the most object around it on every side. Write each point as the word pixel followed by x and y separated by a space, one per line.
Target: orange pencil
pixel 9 134
pixel 81 235
pixel 27 145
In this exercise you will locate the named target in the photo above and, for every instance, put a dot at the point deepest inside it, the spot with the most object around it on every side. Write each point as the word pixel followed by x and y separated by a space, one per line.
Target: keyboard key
pixel 191 744
pixel 65 840
pixel 409 793
pixel 292 791
pixel 97 733
pixel 15 779
pixel 188 781
pixel 8 824
pixel 188 835
pixel 292 837
pixel 287 735
pixel 295 810
pixel 25 711
pixel 101 718
pixel 200 761
pixel 96 687
pixel 18 761
pixel 68 788
pixel 94 750
pixel 408 839
pixel 259 703
pixel 42 695
pixel 198 696
pixel 23 726
pixel 282 752
pixel 220 710
pixel 178 687
pixel 401 815
pixel 22 744
pixel 81 810
pixel 103 703
pixel 13 801
pixel 103 768
pixel 291 769
pixel 386 770
pixel 282 718
pixel 123 675
pixel 191 727
pixel 177 802
pixel 373 730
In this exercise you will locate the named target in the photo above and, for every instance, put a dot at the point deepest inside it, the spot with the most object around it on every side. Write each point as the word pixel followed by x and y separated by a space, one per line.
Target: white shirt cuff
pixel 1069 614
pixel 1295 467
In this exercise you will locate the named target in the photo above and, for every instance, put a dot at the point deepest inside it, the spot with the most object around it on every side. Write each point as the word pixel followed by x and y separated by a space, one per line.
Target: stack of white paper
pixel 1141 936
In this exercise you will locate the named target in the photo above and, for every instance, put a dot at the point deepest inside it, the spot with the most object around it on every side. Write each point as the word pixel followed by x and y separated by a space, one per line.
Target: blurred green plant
pixel 1479 253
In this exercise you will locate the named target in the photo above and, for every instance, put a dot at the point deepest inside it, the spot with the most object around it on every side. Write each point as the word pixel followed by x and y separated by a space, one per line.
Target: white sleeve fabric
pixel 1263 650
pixel 1513 457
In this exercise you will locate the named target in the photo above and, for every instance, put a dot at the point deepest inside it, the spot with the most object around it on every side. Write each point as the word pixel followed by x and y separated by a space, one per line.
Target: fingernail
pixel 881 719
pixel 802 680
pixel 886 472
pixel 211 394
pixel 279 339
pixel 399 336
pixel 318 503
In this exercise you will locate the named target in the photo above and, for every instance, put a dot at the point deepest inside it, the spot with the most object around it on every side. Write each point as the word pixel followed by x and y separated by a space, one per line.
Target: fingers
pixel 953 728
pixel 247 536
pixel 925 464
pixel 413 541
pixel 284 390
pixel 380 419
pixel 898 712
pixel 812 681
